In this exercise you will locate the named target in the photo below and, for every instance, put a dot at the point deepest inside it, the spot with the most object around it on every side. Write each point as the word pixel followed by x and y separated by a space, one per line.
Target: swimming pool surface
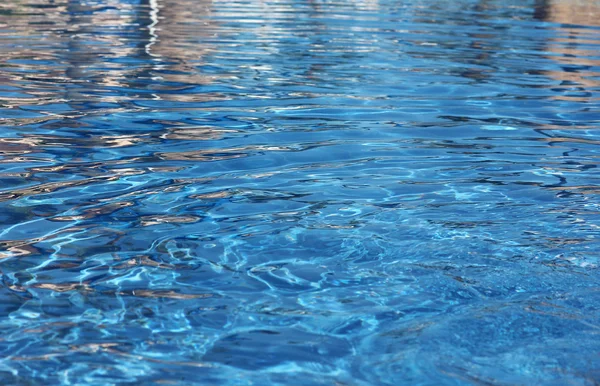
pixel 299 192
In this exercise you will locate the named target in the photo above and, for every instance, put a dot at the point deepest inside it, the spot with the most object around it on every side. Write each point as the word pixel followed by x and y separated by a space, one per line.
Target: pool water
pixel 315 192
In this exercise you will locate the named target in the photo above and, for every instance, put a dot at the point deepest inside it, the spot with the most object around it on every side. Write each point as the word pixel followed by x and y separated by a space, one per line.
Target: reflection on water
pixel 249 191
pixel 575 49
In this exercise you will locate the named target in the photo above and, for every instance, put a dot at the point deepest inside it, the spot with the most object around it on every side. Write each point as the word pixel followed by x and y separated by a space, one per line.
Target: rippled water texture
pixel 309 192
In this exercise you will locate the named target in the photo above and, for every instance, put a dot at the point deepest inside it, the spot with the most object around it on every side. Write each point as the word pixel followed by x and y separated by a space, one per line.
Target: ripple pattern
pixel 316 192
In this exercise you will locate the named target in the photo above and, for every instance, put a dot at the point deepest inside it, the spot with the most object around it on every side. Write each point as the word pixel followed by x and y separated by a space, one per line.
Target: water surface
pixel 299 192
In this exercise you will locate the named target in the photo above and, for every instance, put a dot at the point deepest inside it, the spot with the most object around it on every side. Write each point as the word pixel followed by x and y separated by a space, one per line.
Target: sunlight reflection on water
pixel 257 192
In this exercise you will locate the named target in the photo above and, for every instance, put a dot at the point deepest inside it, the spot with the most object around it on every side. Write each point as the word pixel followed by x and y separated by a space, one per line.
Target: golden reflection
pixel 574 12
pixel 29 143
pixel 19 250
pixel 50 187
pixel 144 293
pixel 72 51
pixel 68 31
pixel 64 287
pixel 213 195
pixel 197 133
pixel 220 154
pixel 179 45
pixel 142 260
pixel 95 212
pixel 573 52
pixel 570 140
pixel 78 52
pixel 582 189
pixel 166 219
pixel 11 248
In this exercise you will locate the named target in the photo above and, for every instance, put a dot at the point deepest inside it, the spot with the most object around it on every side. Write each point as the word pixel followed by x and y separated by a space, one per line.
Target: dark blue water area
pixel 299 192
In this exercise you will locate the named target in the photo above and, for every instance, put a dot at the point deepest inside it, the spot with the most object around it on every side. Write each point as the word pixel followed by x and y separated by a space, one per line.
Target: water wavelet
pixel 248 191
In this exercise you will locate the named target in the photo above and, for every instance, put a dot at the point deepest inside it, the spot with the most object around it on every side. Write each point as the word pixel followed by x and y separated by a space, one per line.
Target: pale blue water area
pixel 299 192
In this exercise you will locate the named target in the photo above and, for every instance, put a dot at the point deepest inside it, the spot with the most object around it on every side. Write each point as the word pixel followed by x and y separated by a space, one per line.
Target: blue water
pixel 313 192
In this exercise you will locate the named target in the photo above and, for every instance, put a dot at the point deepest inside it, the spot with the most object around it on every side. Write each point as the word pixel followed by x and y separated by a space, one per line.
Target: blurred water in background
pixel 299 192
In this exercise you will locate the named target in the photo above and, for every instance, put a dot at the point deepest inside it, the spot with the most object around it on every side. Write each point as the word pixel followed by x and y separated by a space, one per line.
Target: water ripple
pixel 256 192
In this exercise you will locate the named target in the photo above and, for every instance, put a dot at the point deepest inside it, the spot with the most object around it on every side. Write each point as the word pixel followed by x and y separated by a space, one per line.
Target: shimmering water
pixel 314 192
